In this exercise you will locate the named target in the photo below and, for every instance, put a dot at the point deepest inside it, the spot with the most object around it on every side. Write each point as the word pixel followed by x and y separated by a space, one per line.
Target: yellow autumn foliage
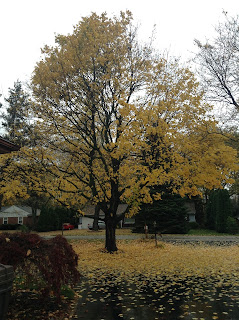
pixel 114 120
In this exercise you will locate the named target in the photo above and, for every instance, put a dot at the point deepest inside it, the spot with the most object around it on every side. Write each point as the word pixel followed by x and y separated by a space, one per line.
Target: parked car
pixel 101 225
pixel 68 226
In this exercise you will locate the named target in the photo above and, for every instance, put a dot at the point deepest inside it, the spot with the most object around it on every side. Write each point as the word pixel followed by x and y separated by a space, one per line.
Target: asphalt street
pixel 177 239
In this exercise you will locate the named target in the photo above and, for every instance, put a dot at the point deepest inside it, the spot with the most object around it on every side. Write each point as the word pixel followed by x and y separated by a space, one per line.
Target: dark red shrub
pixel 53 262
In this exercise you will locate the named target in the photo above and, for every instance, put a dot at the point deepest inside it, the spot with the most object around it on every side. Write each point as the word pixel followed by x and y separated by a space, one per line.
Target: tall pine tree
pixel 218 210
pixel 169 213
pixel 16 118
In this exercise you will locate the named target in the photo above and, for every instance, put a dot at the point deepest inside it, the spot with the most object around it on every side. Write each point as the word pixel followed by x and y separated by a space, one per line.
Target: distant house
pixel 6 146
pixel 88 216
pixel 89 211
pixel 190 205
pixel 17 215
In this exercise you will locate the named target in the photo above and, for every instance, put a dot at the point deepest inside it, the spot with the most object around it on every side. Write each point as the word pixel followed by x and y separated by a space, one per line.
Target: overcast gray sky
pixel 27 25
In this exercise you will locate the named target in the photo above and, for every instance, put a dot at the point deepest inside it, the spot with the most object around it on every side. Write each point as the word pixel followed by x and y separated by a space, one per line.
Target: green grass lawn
pixel 86 232
pixel 74 232
pixel 193 232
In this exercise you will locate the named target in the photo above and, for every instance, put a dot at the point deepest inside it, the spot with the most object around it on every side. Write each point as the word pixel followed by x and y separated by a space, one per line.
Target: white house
pixel 88 216
pixel 190 205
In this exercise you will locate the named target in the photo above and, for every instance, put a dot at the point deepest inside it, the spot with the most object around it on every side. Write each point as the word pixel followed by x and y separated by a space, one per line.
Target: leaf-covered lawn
pixel 142 257
pixel 184 281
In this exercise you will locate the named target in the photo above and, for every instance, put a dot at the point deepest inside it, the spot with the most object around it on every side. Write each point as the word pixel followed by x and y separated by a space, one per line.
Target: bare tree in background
pixel 218 61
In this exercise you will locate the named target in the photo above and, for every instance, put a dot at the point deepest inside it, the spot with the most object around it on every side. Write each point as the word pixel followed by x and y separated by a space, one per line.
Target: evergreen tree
pixel 52 218
pixel 63 215
pixel 169 213
pixel 218 210
pixel 16 120
pixel 224 210
pixel 47 220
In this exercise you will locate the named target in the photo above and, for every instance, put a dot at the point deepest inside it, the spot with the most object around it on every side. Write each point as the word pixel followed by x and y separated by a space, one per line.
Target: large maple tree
pixel 114 119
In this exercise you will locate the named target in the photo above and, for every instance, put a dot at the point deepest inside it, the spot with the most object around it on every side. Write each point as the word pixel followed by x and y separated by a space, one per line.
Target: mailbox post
pixel 155 233
pixel 146 231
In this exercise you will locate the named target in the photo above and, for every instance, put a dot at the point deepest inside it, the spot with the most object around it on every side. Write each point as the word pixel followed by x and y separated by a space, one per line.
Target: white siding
pixel 85 222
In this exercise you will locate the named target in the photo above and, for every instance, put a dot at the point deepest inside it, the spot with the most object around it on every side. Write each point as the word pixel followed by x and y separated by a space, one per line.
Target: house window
pixel 5 220
pixel 20 220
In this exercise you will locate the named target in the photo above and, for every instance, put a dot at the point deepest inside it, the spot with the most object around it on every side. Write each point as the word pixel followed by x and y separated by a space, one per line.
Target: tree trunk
pixel 110 239
pixel 1 197
pixel 34 217
pixel 95 226
pixel 199 211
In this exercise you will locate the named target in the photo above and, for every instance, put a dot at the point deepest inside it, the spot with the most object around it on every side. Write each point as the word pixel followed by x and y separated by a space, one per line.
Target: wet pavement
pixel 133 302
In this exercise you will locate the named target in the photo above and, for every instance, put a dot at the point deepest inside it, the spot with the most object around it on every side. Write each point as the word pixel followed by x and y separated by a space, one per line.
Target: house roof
pixel 17 211
pixel 7 146
pixel 90 210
